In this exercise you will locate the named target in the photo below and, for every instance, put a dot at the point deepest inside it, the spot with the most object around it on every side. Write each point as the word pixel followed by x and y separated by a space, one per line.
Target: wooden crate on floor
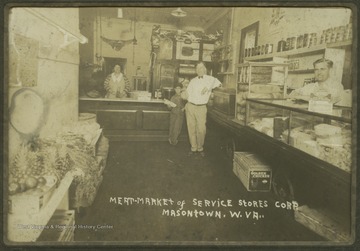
pixel 252 172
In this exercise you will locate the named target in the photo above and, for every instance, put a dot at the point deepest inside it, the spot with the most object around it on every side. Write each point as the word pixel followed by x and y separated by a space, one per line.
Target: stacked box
pixel 60 227
pixel 254 174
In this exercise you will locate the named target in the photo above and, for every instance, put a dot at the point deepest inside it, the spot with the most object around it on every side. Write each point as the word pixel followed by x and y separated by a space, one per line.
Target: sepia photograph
pixel 179 125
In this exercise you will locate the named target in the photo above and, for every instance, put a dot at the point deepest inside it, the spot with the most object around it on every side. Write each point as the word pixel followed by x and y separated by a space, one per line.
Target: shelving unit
pixel 225 59
pixel 301 61
pixel 259 80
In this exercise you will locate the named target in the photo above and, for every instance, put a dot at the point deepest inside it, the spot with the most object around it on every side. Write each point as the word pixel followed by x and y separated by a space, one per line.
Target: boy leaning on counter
pixel 177 107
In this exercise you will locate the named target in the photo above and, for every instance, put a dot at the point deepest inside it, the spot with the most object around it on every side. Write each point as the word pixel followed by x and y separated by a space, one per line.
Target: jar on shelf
pixel 253 51
pixel 299 41
pixel 305 40
pixel 328 35
pixel 348 32
pixel 281 45
pixel 290 43
pixel 312 39
pixel 258 49
pixel 323 37
pixel 262 52
pixel 340 33
pixel 333 35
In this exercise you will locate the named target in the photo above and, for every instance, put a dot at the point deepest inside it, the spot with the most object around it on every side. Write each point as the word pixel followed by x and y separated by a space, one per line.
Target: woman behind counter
pixel 116 84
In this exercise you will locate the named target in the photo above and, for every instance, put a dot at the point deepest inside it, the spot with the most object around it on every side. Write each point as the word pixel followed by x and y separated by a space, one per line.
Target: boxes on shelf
pixel 60 227
pixel 33 200
pixel 323 223
pixel 252 172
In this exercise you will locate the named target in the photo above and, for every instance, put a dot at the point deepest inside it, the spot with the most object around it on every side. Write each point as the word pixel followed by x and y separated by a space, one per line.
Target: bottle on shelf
pixel 281 45
pixel 312 39
pixel 299 41
pixel 323 37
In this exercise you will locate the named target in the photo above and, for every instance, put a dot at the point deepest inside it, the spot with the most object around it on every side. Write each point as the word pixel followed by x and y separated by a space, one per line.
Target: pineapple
pixel 20 163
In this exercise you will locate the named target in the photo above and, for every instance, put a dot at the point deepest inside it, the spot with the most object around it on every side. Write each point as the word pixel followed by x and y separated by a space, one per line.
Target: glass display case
pixel 324 136
pixel 259 80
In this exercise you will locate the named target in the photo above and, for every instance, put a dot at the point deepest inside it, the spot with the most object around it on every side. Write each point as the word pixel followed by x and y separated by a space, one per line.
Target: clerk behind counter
pixel 116 84
pixel 325 88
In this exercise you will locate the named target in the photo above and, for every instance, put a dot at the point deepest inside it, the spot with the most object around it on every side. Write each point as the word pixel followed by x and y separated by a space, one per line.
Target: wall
pixel 54 68
pixel 123 29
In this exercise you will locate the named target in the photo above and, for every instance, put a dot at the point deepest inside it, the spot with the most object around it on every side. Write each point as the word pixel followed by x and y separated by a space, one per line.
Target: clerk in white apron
pixel 324 87
pixel 197 94
pixel 116 84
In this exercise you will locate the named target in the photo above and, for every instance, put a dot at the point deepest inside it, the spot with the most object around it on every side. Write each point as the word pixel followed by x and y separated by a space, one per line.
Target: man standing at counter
pixel 198 93
pixel 324 88
pixel 116 84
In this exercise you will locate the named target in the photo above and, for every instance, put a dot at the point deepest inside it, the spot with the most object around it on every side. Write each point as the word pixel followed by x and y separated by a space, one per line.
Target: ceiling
pixel 196 16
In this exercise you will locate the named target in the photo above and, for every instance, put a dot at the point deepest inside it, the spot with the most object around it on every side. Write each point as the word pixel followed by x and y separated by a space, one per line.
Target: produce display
pixel 70 150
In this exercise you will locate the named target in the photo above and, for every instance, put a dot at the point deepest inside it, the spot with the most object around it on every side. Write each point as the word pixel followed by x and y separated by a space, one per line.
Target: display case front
pixel 324 136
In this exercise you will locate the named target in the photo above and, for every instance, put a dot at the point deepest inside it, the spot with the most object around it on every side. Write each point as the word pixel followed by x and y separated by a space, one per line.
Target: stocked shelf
pixel 223 56
pixel 300 52
pixel 301 71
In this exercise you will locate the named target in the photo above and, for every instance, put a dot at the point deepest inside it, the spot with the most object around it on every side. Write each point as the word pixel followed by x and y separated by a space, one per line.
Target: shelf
pixel 226 73
pixel 339 44
pixel 301 71
pixel 301 51
pixel 222 46
pixel 27 227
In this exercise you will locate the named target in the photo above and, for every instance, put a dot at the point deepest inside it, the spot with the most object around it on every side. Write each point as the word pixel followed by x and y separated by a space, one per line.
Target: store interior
pixel 101 169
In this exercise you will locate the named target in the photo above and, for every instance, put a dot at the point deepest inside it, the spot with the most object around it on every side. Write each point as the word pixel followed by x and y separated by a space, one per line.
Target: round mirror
pixel 26 111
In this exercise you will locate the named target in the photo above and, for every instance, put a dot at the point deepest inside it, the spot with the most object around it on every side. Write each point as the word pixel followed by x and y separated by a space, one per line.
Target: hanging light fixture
pixel 178 13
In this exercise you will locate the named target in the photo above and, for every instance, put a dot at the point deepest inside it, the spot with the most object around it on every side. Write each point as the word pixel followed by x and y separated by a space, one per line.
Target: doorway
pixel 111 62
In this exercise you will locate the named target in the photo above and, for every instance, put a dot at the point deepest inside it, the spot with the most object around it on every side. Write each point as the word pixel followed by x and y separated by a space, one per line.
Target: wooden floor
pixel 146 183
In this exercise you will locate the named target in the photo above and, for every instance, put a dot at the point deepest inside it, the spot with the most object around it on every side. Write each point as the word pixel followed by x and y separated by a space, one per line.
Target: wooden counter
pixel 131 119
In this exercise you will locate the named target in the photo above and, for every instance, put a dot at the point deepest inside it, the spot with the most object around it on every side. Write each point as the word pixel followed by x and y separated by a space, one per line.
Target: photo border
pixel 354 5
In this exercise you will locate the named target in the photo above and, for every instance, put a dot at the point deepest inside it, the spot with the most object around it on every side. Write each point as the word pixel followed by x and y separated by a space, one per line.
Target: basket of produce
pixel 31 195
